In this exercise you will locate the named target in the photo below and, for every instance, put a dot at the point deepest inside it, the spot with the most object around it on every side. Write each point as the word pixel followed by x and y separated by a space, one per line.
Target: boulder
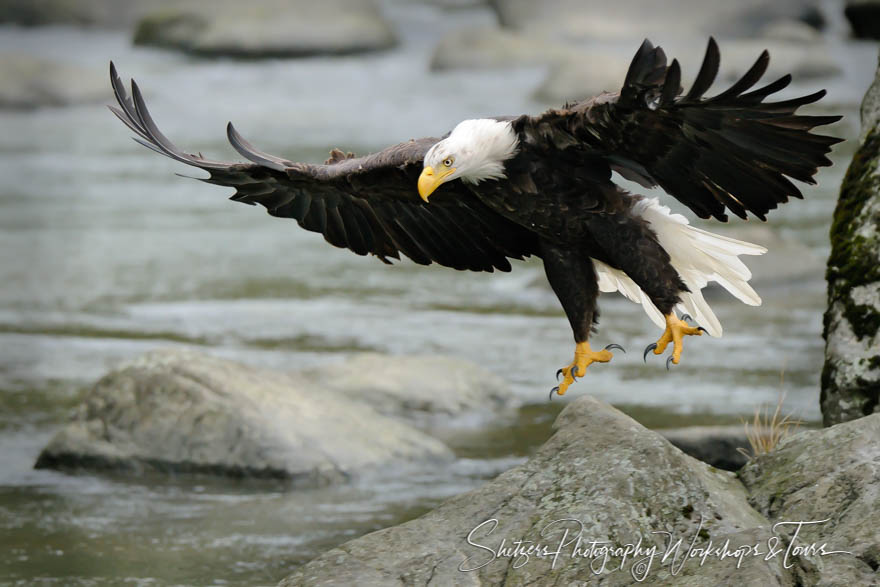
pixel 31 82
pixel 602 477
pixel 590 20
pixel 864 18
pixel 183 411
pixel 585 73
pixel 831 475
pixel 415 388
pixel 267 28
pixel 851 375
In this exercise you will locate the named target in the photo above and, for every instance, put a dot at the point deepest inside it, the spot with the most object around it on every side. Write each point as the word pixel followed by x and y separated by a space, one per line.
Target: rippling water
pixel 105 254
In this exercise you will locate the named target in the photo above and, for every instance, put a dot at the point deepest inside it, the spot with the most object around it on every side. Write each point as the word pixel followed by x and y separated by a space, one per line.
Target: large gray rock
pixel 620 481
pixel 833 475
pixel 184 411
pixel 31 82
pixel 267 28
pixel 851 376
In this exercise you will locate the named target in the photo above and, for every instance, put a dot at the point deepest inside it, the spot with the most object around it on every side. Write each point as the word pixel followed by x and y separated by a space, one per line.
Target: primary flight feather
pixel 512 187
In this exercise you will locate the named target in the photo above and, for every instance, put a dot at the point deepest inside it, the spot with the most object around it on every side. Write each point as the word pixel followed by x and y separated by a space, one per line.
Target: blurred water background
pixel 105 253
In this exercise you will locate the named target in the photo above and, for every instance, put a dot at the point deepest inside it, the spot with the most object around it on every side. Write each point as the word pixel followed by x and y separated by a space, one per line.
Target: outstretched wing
pixel 731 151
pixel 366 204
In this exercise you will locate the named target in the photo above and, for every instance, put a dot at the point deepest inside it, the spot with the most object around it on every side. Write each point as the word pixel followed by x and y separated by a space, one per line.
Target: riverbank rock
pixel 417 388
pixel 267 28
pixel 620 481
pixel 182 411
pixel 864 18
pixel 833 475
pixel 603 483
pixel 30 82
pixel 851 376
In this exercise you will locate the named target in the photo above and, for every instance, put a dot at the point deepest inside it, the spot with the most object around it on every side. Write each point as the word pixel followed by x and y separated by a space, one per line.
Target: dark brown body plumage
pixel 732 152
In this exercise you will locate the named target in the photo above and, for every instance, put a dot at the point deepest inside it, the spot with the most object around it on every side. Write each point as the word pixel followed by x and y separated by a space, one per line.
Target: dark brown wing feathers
pixel 731 151
pixel 366 204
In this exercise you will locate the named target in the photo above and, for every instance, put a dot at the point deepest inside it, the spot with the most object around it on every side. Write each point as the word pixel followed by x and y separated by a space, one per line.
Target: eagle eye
pixel 448 162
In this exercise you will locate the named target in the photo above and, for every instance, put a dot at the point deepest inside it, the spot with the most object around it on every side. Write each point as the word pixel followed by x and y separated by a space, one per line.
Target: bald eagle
pixel 511 187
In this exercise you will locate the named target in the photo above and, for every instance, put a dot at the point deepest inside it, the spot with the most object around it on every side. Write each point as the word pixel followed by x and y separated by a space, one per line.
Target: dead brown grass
pixel 766 430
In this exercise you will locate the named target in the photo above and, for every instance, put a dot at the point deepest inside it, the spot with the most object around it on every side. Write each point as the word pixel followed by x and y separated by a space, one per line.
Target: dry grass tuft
pixel 766 431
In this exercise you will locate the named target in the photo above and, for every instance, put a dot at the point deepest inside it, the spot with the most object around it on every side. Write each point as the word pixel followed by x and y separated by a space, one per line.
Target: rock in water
pixel 851 376
pixel 267 28
pixel 619 480
pixel 833 475
pixel 182 411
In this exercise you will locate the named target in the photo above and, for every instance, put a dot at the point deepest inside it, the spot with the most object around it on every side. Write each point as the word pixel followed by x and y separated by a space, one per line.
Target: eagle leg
pixel 676 330
pixel 584 356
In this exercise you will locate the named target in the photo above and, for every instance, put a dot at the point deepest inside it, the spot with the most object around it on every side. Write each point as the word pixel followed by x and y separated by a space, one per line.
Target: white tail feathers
pixel 698 256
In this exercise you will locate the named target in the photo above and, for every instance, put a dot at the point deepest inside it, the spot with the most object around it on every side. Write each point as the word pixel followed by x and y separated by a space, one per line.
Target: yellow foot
pixel 584 356
pixel 675 330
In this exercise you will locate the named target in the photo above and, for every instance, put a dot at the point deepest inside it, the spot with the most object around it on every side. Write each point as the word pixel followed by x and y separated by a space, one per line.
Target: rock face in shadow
pixel 267 28
pixel 30 82
pixel 182 411
pixel 613 484
pixel 833 475
pixel 864 18
pixel 851 376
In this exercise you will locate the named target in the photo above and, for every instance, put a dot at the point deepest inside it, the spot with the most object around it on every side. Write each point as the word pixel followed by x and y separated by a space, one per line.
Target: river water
pixel 105 254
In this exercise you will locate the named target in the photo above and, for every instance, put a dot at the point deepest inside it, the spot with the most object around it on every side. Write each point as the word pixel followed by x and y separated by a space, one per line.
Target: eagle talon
pixel 686 317
pixel 552 391
pixel 669 360
pixel 558 373
pixel 648 349
pixel 614 345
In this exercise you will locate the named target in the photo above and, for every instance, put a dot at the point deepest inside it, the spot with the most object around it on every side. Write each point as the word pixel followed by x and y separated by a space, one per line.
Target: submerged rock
pixel 31 82
pixel 602 474
pixel 415 387
pixel 851 376
pixel 182 411
pixel 267 28
pixel 831 475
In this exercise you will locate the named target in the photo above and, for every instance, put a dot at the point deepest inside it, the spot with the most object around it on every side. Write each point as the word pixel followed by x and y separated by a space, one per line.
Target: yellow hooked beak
pixel 430 180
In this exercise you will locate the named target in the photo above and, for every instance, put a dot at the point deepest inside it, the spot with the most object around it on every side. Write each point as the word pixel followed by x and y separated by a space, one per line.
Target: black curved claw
pixel 668 361
pixel 558 373
pixel 648 349
pixel 614 345
pixel 552 391
pixel 686 317
pixel 574 372
pixel 701 329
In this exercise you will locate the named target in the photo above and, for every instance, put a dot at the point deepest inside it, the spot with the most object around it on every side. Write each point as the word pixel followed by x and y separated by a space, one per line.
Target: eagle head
pixel 474 151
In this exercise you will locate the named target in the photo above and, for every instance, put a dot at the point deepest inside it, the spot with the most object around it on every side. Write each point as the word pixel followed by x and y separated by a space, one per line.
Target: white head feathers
pixel 476 148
